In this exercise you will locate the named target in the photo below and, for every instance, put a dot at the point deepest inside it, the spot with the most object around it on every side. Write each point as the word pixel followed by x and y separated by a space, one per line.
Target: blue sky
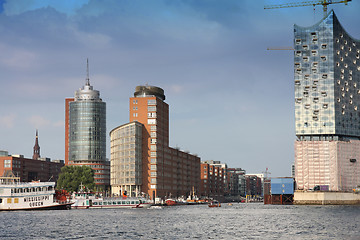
pixel 230 99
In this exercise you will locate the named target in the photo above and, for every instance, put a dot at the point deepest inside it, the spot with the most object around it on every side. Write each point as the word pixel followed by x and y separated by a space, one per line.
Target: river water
pixel 239 221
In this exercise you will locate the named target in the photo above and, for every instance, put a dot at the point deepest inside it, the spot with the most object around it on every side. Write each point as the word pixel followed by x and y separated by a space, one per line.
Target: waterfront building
pixel 212 180
pixel 85 133
pixel 253 185
pixel 28 169
pixel 237 183
pixel 126 159
pixel 165 171
pixel 327 106
pixel 226 183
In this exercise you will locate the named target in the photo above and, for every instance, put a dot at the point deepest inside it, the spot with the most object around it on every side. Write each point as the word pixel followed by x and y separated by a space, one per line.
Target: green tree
pixel 71 177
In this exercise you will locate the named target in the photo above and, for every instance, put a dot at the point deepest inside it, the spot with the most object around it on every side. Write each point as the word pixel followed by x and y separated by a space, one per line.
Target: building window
pixel 153 167
pixel 152 102
pixel 151 108
pixel 151 121
pixel 152 115
pixel 7 163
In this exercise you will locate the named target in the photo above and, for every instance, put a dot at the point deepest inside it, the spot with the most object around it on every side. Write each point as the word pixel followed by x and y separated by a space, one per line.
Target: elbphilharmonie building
pixel 327 106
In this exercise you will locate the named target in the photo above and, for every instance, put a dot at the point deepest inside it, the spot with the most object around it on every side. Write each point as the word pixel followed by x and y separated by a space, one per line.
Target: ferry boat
pixel 36 195
pixel 85 200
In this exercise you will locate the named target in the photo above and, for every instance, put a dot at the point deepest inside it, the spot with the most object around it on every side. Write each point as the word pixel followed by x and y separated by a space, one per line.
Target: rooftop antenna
pixel 87 73
pixel 266 174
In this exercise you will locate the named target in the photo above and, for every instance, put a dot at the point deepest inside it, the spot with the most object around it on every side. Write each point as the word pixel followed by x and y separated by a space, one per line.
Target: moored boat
pixel 170 202
pixel 85 200
pixel 36 195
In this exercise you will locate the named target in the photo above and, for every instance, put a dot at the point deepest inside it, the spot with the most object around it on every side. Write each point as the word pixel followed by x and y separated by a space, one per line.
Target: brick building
pixel 141 159
pixel 212 180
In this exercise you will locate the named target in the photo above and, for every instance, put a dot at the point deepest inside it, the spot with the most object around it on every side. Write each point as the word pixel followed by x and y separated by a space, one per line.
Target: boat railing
pixel 9 180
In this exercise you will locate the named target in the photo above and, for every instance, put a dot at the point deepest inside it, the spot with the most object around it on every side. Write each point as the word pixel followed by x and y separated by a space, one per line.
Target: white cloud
pixel 59 124
pixel 38 121
pixel 176 88
pixel 92 40
pixel 17 58
pixel 15 7
pixel 8 121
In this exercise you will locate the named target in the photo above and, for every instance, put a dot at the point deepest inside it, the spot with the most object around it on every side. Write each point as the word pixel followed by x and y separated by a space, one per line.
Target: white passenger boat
pixel 84 200
pixel 16 195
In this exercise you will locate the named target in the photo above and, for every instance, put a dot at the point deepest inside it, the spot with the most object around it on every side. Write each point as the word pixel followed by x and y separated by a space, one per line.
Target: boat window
pixel 114 203
pixel 95 203
pixel 119 202
pixel 132 202
pixel 0 200
pixel 123 202
pixel 100 203
pixel 127 202
pixel 137 202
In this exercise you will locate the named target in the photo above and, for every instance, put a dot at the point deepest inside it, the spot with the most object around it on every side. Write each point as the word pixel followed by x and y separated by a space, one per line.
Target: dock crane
pixel 324 3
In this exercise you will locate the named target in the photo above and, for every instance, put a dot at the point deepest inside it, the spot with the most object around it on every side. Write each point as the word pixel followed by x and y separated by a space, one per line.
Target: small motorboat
pixel 214 204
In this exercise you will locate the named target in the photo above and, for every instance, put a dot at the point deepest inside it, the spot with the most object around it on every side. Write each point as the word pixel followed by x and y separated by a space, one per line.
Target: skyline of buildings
pixel 327 106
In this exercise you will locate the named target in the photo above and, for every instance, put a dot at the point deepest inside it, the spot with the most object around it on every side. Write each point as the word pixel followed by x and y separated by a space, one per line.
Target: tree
pixel 71 177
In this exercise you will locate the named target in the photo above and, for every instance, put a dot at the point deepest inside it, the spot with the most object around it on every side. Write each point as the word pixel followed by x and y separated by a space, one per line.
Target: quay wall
pixel 326 198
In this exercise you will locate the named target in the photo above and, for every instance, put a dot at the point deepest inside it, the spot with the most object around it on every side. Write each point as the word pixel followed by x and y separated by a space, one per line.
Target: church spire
pixel 87 73
pixel 36 154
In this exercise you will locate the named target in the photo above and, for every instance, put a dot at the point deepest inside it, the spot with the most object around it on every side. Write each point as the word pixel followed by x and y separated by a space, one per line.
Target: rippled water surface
pixel 239 221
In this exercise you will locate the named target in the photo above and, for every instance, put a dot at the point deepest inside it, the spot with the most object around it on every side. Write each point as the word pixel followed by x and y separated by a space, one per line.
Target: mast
pixel 87 83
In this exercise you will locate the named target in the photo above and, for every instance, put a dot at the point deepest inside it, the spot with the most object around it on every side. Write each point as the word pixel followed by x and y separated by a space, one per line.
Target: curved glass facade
pixel 327 80
pixel 87 131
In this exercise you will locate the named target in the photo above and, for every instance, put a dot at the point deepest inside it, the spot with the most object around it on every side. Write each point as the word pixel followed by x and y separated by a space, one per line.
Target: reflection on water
pixel 239 221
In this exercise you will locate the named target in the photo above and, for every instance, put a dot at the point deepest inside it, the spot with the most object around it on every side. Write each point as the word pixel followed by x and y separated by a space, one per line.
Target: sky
pixel 230 99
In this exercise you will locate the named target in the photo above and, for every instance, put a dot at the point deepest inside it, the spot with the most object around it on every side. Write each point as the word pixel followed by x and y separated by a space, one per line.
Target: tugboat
pixel 36 195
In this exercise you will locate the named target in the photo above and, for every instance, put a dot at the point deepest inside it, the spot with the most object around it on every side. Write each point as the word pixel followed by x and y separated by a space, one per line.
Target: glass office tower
pixel 87 132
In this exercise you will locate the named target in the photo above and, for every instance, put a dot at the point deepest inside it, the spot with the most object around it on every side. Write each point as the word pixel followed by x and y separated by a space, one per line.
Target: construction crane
pixel 324 3
pixel 280 48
